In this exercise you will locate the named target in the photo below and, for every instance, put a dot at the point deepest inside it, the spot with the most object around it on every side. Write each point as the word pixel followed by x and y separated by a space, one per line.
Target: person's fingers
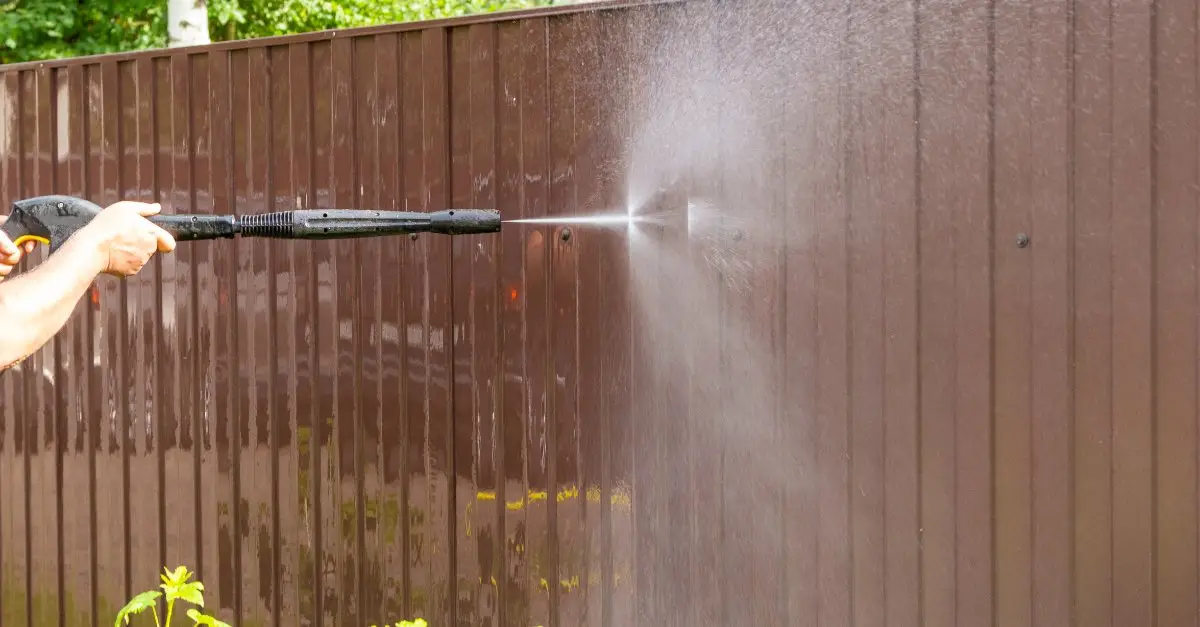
pixel 140 208
pixel 7 268
pixel 136 267
pixel 7 247
pixel 124 204
pixel 29 246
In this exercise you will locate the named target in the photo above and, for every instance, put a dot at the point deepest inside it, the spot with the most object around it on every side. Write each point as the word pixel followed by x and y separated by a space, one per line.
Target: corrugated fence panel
pixel 1174 325
pixel 904 333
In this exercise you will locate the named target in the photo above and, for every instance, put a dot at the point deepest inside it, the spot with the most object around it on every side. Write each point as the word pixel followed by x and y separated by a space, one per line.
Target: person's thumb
pixel 166 242
pixel 149 209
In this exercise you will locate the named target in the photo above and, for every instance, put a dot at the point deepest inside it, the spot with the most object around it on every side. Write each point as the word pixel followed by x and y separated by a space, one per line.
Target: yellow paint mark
pixel 620 497
pixel 567 494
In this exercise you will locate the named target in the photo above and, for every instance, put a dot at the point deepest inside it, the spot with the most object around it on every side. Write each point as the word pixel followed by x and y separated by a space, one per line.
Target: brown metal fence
pixel 925 351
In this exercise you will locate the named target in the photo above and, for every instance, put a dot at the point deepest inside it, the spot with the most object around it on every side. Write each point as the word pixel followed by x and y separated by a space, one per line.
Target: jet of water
pixel 598 220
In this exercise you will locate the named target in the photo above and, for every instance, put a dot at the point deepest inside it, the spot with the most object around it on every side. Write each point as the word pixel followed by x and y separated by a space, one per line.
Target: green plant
pixel 176 587
pixel 32 30
pixel 420 622
pixel 241 19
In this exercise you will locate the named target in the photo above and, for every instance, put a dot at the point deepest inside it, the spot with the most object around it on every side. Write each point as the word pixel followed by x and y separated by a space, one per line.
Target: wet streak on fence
pixel 945 377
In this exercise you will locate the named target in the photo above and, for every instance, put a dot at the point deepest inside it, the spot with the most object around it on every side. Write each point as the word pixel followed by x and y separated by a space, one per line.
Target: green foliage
pixel 202 619
pixel 33 30
pixel 240 19
pixel 176 587
pixel 420 622
pixel 147 600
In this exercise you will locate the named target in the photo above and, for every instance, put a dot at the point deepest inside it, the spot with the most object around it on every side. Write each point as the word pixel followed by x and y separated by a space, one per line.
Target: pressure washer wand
pixel 51 220
pixel 329 224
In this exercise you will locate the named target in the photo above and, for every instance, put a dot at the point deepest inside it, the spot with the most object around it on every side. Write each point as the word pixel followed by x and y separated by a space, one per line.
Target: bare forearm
pixel 35 305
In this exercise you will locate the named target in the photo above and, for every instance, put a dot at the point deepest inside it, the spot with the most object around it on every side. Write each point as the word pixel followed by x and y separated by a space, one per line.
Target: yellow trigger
pixel 31 238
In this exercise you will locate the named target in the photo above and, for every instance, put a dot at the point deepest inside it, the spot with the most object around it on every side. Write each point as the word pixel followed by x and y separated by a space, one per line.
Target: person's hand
pixel 10 254
pixel 125 238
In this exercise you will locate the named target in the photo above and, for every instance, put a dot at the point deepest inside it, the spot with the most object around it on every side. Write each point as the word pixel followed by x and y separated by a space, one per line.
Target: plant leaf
pixel 204 619
pixel 178 576
pixel 176 587
pixel 137 605
pixel 190 592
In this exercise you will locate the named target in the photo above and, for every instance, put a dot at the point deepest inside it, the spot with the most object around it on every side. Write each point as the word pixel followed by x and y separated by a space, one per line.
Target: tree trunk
pixel 187 22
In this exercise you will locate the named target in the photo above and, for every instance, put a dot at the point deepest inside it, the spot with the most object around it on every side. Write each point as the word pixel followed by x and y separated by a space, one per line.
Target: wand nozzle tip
pixel 464 221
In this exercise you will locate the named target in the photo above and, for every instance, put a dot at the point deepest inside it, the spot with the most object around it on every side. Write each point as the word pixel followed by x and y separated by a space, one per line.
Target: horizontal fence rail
pixel 900 326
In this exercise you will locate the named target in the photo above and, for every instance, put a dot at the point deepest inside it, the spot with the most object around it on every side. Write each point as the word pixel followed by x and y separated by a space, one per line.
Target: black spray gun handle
pixel 51 220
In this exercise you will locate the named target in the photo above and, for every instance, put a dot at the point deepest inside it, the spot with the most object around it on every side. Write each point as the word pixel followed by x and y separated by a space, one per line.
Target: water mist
pixel 733 116
pixel 716 448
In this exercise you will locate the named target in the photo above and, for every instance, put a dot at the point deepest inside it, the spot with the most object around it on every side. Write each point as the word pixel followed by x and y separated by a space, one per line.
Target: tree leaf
pixel 137 605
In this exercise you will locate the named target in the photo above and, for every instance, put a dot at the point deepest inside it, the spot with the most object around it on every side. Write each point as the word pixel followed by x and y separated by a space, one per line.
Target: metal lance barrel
pixel 51 220
pixel 320 224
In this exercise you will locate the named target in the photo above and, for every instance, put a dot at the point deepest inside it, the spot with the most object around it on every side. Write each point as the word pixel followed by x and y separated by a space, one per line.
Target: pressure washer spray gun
pixel 51 220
